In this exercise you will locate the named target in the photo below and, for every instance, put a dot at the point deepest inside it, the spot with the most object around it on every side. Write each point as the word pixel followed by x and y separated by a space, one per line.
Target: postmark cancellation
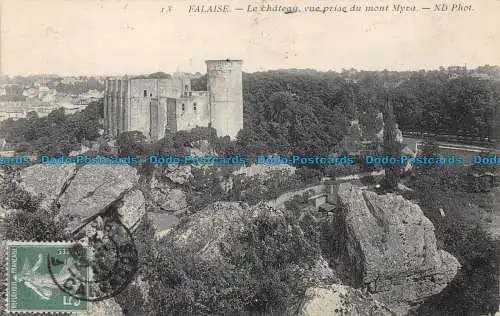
pixel 35 273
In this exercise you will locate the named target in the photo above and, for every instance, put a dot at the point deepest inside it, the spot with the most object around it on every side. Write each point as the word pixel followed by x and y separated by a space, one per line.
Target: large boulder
pixel 392 248
pixel 162 222
pixel 215 225
pixel 48 181
pixel 85 191
pixel 178 174
pixel 338 299
pixel 167 198
pixel 95 187
pixel 203 230
pixel 132 209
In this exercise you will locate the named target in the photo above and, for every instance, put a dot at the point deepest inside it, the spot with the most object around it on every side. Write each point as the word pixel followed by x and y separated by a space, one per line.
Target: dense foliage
pixel 308 111
pixel 431 102
pixel 58 133
pixel 28 222
pixel 286 112
pixel 260 270
pixel 391 148
pixel 131 143
pixel 475 289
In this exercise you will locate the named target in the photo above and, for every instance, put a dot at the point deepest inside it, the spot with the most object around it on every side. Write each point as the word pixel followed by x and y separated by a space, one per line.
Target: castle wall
pixel 108 96
pixel 172 114
pixel 113 108
pixel 225 87
pixel 161 119
pixel 148 100
pixel 115 103
pixel 142 93
pixel 194 113
pixel 174 88
pixel 105 104
pixel 154 120
pixel 119 106
pixel 124 101
pixel 169 88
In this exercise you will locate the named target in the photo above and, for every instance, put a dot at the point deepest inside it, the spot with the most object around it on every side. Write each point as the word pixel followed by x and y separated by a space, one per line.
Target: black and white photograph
pixel 249 157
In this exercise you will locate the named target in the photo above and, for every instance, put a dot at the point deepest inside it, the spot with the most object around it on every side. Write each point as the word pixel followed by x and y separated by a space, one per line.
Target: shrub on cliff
pixel 131 143
pixel 28 221
pixel 259 270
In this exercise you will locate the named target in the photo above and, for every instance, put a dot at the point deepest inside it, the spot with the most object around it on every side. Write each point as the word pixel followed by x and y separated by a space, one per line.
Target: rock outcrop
pixel 82 192
pixel 338 299
pixel 215 225
pixel 166 197
pixel 94 187
pixel 392 248
pixel 47 181
pixel 162 222
pixel 132 208
pixel 205 229
pixel 178 174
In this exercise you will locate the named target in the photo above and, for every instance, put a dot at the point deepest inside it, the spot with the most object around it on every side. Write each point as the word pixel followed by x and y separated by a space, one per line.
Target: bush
pixel 259 271
pixel 131 143
pixel 38 225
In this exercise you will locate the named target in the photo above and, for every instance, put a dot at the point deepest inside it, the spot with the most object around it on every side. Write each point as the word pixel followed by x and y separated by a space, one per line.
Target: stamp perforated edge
pixel 9 243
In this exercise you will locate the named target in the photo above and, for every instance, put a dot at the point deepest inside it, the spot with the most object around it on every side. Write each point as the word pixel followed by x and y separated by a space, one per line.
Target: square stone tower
pixel 225 88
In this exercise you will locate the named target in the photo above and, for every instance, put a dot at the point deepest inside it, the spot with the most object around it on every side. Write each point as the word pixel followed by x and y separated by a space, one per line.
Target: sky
pixel 117 37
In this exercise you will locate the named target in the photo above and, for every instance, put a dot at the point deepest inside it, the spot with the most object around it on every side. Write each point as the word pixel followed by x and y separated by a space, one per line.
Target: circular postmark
pixel 101 267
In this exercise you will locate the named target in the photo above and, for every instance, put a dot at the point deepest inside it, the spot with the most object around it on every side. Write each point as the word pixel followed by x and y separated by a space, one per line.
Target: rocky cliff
pixel 206 231
pixel 392 248
pixel 386 239
pixel 84 191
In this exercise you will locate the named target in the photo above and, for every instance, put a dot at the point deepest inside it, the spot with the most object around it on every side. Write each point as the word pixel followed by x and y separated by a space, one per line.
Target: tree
pixel 391 148
pixel 482 176
pixel 131 143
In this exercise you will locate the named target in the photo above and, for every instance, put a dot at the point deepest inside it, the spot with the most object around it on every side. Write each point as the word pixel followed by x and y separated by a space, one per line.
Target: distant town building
pixel 88 97
pixel 7 111
pixel 153 106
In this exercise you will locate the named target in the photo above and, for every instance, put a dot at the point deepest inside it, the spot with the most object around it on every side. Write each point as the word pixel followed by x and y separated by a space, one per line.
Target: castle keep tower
pixel 225 88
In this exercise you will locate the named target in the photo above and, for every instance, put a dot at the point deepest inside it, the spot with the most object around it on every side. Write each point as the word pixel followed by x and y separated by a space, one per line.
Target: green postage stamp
pixel 37 273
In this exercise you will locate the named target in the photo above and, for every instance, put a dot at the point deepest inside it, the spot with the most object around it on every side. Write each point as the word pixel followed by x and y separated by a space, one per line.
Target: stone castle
pixel 153 106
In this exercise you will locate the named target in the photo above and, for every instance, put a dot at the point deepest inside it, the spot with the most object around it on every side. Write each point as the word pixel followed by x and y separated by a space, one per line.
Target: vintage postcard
pixel 250 157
